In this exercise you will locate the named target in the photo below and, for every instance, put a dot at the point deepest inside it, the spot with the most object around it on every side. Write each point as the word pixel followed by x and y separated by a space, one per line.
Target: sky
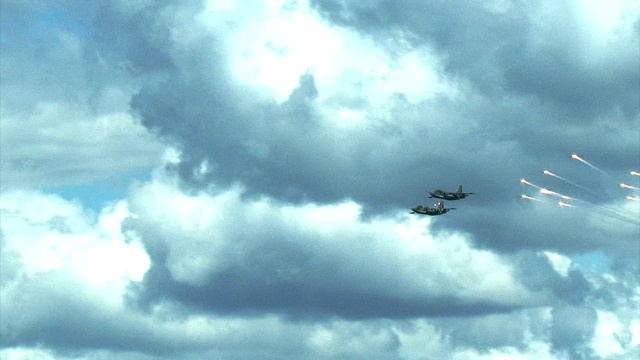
pixel 233 179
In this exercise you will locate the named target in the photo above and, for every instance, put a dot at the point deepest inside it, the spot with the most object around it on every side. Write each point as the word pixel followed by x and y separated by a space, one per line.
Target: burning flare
pixel 530 184
pixel 629 187
pixel 553 193
pixel 547 172
pixel 576 157
pixel 529 197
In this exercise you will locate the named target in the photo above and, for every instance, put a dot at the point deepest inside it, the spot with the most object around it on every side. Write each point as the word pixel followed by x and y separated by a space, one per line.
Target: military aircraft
pixel 437 209
pixel 439 194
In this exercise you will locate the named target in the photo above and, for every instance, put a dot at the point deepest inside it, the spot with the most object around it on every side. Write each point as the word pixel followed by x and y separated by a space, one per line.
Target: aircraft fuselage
pixel 434 211
pixel 446 195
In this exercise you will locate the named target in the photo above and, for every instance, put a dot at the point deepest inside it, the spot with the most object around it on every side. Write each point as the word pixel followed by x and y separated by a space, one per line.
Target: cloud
pixel 309 259
pixel 210 289
pixel 343 124
pixel 63 106
pixel 44 149
pixel 546 52
pixel 303 131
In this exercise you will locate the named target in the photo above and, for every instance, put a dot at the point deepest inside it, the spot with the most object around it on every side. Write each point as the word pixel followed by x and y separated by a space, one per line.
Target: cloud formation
pixel 294 137
pixel 220 289
pixel 312 260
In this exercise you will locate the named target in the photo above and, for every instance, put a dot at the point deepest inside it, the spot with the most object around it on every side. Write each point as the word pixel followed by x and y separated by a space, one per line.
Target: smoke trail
pixel 576 157
pixel 553 193
pixel 629 187
pixel 615 213
pixel 529 198
pixel 530 184
pixel 547 172
pixel 608 211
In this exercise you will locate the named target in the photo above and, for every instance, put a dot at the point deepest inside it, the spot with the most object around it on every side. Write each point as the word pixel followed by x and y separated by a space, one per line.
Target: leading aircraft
pixel 445 195
pixel 437 209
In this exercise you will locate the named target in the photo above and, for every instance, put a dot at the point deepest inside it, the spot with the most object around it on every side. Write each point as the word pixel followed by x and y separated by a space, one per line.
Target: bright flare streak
pixel 629 187
pixel 530 184
pixel 574 156
pixel 564 204
pixel 529 198
pixel 553 193
pixel 547 172
pixel 549 192
pixel 635 173
pixel 633 198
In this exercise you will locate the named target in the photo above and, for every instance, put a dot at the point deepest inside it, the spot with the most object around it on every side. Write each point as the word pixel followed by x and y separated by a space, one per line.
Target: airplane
pixel 438 209
pixel 439 194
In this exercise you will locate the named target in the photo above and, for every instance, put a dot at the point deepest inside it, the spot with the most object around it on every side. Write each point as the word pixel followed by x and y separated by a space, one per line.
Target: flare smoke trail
pixel 611 212
pixel 629 187
pixel 547 172
pixel 576 157
pixel 529 197
pixel 530 184
pixel 618 213
pixel 607 211
pixel 553 193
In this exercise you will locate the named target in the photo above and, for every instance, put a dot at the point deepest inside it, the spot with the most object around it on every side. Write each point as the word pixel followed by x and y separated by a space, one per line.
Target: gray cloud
pixel 526 48
pixel 571 330
pixel 301 272
pixel 63 104
pixel 486 140
pixel 502 107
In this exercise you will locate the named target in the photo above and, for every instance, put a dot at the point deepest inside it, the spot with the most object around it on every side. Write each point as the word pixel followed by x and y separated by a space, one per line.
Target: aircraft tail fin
pixel 460 189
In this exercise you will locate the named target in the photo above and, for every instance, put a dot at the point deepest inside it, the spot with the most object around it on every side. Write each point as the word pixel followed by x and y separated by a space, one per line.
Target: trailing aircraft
pixel 437 209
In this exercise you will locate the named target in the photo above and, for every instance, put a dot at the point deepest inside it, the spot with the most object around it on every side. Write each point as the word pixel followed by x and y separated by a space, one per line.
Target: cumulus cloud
pixel 299 134
pixel 45 150
pixel 338 125
pixel 63 106
pixel 311 259
pixel 166 274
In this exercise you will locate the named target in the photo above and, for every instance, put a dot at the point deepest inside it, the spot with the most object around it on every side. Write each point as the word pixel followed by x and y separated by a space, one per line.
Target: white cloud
pixel 634 328
pixel 66 270
pixel 560 263
pixel 534 351
pixel 51 235
pixel 599 28
pixel 86 261
pixel 607 334
pixel 274 44
pixel 60 144
pixel 340 339
pixel 26 354
pixel 202 234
